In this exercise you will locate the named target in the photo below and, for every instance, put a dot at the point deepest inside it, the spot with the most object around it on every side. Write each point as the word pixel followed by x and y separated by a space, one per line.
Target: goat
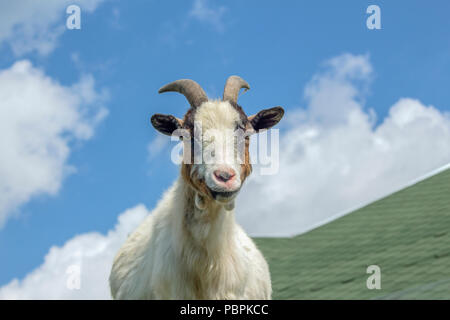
pixel 190 246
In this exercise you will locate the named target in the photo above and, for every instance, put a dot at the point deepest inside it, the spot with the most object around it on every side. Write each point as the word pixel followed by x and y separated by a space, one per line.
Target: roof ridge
pixel 360 206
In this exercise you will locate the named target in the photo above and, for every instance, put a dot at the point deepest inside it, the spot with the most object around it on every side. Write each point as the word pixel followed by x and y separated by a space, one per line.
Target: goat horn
pixel 232 87
pixel 189 88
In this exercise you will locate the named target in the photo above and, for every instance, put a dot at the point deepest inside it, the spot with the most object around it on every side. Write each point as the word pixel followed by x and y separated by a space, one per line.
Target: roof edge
pixel 406 185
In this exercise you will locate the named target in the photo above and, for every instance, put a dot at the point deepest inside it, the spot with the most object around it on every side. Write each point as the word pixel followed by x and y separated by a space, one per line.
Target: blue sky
pixel 131 48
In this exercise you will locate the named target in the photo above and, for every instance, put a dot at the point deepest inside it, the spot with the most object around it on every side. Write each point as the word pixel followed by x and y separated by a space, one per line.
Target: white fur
pixel 212 259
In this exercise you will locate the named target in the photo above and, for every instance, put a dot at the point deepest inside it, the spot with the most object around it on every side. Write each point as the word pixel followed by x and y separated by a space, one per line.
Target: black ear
pixel 166 124
pixel 266 118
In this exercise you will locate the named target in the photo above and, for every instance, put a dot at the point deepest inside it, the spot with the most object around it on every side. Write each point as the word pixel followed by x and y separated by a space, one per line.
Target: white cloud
pixel 209 15
pixel 157 145
pixel 174 33
pixel 30 25
pixel 92 253
pixel 39 118
pixel 333 158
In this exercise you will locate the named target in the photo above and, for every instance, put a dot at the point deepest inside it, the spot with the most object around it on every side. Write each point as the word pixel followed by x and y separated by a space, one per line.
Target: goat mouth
pixel 223 196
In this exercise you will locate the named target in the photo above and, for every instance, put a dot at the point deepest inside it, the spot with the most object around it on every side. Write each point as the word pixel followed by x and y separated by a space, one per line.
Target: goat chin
pixel 200 203
pixel 229 205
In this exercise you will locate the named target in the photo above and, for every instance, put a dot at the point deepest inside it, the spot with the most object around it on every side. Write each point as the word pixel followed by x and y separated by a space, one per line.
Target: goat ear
pixel 166 124
pixel 266 118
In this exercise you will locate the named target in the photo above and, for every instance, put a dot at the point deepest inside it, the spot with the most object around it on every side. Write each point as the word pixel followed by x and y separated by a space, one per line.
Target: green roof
pixel 406 234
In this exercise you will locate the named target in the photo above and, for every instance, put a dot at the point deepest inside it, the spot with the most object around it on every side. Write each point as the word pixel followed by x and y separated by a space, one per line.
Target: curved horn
pixel 232 87
pixel 189 88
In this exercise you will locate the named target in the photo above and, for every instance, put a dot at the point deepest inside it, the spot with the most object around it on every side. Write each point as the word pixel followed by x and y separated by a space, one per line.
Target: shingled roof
pixel 406 234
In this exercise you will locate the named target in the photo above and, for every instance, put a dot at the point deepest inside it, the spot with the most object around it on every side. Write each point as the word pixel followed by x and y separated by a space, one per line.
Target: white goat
pixel 190 246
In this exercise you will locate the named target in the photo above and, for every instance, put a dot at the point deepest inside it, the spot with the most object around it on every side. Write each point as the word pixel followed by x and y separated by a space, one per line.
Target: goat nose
pixel 224 175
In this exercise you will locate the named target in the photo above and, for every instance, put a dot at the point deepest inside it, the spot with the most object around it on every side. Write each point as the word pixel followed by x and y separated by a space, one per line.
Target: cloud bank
pixel 91 254
pixel 334 158
pixel 39 119
pixel 30 25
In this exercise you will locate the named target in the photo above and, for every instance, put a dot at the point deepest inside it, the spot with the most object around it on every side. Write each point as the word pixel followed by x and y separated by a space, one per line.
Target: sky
pixel 367 112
